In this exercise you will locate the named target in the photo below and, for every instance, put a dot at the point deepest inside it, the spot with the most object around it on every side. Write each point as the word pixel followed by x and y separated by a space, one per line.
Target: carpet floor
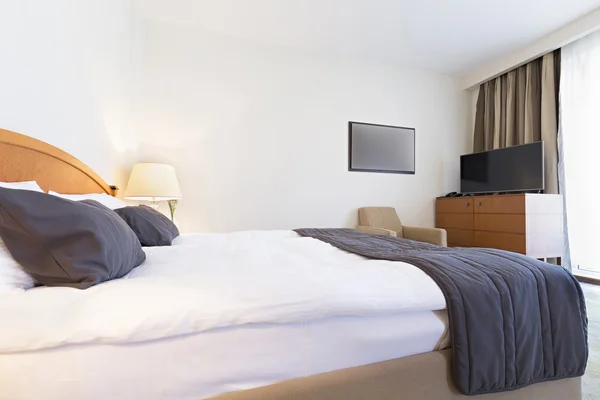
pixel 591 379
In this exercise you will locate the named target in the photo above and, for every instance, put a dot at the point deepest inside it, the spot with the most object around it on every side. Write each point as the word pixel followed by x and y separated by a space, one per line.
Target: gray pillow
pixel 66 243
pixel 151 227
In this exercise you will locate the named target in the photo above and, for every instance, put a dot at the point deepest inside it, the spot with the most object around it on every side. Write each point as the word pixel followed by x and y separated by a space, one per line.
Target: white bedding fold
pixel 206 281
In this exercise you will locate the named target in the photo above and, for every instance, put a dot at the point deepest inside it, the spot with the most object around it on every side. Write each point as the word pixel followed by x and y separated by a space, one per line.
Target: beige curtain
pixel 521 107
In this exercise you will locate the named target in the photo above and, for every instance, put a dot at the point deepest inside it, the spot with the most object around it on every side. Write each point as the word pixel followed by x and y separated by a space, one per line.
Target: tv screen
pixel 512 169
pixel 381 148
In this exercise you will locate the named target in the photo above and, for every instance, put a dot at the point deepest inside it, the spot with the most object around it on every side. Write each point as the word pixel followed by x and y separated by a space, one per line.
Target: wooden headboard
pixel 23 158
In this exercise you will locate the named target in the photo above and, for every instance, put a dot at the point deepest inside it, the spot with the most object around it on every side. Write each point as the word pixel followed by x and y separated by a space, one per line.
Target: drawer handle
pixel 467 204
pixel 479 203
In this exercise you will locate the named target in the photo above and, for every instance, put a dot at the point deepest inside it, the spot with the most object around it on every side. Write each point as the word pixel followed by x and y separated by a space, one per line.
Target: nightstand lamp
pixel 154 182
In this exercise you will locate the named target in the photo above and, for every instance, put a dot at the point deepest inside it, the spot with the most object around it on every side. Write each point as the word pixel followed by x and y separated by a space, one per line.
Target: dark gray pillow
pixel 66 243
pixel 151 227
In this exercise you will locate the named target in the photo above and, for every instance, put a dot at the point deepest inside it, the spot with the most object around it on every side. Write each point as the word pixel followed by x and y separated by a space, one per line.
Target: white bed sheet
pixel 217 361
pixel 211 281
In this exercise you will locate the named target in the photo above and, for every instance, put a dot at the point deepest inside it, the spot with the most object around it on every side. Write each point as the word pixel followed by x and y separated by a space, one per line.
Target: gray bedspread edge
pixel 514 320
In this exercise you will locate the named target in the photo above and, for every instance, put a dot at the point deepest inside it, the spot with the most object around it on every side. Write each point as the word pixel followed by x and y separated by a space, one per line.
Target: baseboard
pixel 587 279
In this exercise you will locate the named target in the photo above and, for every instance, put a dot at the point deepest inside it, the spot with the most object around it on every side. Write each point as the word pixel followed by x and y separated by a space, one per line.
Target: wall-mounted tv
pixel 512 169
pixel 381 148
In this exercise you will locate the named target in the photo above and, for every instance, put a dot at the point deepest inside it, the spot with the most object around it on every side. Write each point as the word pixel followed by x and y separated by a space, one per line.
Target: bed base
pixel 422 377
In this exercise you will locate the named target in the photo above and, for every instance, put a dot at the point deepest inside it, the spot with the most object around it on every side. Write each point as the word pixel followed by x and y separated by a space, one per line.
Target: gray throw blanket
pixel 514 320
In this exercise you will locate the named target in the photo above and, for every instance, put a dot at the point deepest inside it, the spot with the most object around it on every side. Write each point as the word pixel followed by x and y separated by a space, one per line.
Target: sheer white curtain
pixel 579 149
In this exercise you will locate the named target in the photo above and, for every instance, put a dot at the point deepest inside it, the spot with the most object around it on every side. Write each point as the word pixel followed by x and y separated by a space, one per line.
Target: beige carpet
pixel 591 379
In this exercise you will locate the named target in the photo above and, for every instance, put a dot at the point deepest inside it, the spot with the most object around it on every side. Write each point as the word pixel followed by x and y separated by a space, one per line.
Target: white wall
pixel 259 134
pixel 65 70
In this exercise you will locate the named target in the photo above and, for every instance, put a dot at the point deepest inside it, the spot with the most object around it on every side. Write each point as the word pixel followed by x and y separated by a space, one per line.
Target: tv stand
pixel 525 223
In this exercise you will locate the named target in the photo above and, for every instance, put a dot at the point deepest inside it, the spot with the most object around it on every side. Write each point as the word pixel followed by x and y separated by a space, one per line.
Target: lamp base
pixel 172 206
pixel 153 204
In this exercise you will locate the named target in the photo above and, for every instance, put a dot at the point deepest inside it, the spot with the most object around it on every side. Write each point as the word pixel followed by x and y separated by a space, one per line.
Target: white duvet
pixel 208 281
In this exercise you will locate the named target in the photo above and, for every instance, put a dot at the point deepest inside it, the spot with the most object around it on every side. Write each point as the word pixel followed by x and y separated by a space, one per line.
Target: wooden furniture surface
pixel 23 158
pixel 530 224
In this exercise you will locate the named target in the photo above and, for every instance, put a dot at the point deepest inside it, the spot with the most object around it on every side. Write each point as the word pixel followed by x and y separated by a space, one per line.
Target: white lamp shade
pixel 151 181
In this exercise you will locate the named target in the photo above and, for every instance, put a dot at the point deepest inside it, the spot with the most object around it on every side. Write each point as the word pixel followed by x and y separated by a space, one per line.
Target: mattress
pixel 218 361
pixel 211 281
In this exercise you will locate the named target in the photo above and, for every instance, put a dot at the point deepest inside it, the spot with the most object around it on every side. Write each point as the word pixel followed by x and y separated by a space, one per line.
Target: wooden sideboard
pixel 530 224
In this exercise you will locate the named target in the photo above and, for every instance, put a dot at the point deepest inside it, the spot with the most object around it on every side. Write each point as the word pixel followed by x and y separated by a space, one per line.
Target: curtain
pixel 520 107
pixel 580 139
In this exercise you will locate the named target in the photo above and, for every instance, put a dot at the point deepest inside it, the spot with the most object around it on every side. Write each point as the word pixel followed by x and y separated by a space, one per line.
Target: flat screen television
pixel 512 169
pixel 381 148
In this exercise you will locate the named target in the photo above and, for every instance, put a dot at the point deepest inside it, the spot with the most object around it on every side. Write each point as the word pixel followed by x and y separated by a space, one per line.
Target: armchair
pixel 385 221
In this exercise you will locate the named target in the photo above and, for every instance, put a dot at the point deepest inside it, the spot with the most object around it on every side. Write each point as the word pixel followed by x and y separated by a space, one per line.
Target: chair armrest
pixel 376 231
pixel 427 235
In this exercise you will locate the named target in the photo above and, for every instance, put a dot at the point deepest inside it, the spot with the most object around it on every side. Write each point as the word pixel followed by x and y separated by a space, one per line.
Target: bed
pixel 188 330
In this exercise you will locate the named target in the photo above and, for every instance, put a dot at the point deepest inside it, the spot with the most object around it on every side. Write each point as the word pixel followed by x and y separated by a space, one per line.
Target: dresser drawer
pixel 459 238
pixel 500 204
pixel 456 221
pixel 509 223
pixel 504 241
pixel 460 205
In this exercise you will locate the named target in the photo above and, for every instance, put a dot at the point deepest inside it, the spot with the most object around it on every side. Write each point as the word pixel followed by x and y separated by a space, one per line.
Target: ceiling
pixel 451 37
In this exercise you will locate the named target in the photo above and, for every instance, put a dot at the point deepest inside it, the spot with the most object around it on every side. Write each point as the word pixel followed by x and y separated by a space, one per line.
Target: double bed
pixel 245 315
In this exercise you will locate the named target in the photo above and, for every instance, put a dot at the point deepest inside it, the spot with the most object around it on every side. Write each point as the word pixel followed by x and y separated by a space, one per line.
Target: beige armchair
pixel 385 221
